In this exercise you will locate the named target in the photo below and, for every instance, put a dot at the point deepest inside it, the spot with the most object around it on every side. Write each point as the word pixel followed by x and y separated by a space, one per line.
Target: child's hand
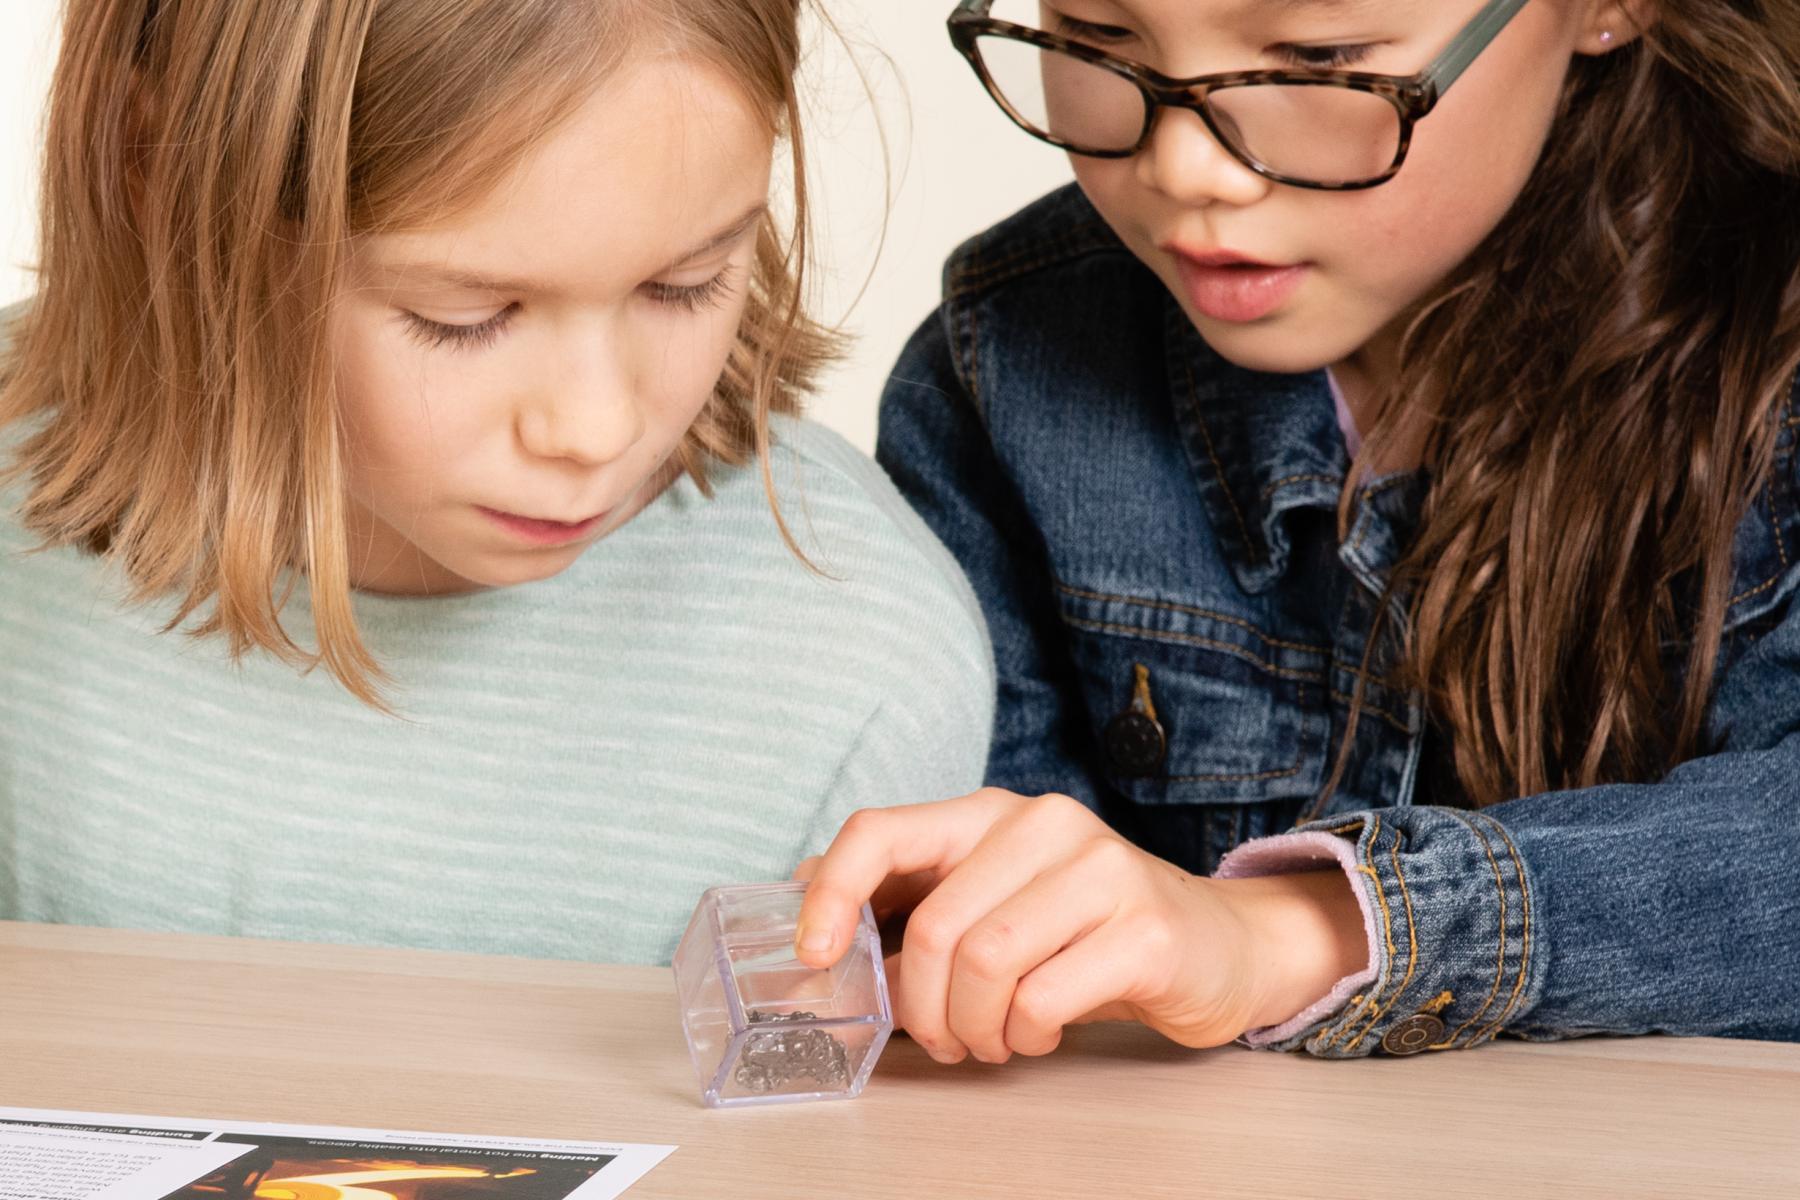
pixel 1028 915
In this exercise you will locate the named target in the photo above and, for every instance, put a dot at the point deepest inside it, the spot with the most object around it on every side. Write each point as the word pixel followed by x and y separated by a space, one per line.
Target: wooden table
pixel 260 1031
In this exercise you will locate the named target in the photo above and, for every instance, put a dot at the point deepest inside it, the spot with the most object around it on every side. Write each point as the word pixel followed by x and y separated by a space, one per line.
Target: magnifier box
pixel 762 1027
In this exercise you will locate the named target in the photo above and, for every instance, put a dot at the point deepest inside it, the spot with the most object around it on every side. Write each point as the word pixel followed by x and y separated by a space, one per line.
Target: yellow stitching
pixel 1439 1003
pixel 1368 494
pixel 1250 544
pixel 1390 718
pixel 1355 671
pixel 1775 524
pixel 1362 1003
pixel 1169 606
pixel 1197 640
pixel 1299 763
pixel 1293 770
pixel 1780 548
pixel 1412 953
pixel 1755 591
pixel 1281 483
pixel 1499 966
pixel 1341 830
pixel 1387 922
pixel 1525 950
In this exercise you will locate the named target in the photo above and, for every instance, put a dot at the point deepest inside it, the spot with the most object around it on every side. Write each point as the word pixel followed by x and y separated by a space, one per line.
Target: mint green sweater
pixel 576 760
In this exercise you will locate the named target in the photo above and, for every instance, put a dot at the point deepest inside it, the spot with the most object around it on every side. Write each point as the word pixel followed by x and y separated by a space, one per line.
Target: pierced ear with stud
pixel 1617 23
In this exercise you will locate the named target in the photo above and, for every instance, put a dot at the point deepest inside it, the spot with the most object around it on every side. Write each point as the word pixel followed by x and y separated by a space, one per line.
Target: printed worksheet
pixel 50 1155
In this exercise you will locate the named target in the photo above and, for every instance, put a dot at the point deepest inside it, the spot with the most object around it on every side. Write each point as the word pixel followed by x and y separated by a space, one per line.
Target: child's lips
pixel 541 532
pixel 1238 292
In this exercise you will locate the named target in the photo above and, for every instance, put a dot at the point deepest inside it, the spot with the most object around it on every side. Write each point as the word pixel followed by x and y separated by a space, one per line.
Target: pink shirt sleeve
pixel 1286 854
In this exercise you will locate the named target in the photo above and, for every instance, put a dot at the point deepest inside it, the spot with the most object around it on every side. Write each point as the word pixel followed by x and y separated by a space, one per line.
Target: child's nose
pixel 588 414
pixel 1185 162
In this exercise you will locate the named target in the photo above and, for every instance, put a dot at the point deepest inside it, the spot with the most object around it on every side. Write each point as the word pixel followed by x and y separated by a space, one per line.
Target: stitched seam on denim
pixel 1299 763
pixel 966 282
pixel 1080 242
pixel 1196 640
pixel 1500 963
pixel 1293 770
pixel 971 358
pixel 1392 721
pixel 1387 922
pixel 1525 935
pixel 1755 591
pixel 1187 367
pixel 1074 242
pixel 1369 494
pixel 1233 778
pixel 1780 548
pixel 1775 524
pixel 1170 606
pixel 1355 670
pixel 1412 949
pixel 1281 483
pixel 1387 683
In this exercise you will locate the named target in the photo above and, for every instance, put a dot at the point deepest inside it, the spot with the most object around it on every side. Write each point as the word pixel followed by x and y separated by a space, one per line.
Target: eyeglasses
pixel 1324 129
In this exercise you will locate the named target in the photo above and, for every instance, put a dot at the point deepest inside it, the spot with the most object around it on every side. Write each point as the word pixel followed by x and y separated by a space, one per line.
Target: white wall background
pixel 956 166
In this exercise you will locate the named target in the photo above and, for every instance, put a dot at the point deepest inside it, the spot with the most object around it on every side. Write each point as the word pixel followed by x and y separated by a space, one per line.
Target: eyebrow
pixel 453 277
pixel 1293 6
pixel 725 237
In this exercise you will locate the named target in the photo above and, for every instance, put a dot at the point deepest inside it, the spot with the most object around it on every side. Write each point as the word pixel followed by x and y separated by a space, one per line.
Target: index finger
pixel 878 844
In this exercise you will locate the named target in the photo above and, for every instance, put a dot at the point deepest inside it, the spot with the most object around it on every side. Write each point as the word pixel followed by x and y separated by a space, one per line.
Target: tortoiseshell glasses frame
pixel 1412 96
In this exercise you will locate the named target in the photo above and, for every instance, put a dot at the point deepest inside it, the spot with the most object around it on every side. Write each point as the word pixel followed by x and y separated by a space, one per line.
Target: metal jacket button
pixel 1135 741
pixel 1413 1034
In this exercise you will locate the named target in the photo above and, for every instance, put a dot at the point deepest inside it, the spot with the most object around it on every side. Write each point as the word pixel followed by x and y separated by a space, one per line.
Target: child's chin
pixel 511 570
pixel 1276 346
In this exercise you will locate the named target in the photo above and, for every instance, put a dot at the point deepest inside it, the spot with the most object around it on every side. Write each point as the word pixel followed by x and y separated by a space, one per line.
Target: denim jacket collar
pixel 1263 445
pixel 1260 445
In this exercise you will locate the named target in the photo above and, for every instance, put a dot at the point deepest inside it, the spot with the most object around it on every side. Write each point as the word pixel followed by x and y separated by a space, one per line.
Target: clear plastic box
pixel 762 1027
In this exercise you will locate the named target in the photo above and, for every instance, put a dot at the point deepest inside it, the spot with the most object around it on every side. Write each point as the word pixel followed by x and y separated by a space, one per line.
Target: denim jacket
pixel 1179 628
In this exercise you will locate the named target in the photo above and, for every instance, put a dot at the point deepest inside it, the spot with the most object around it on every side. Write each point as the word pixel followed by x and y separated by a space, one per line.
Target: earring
pixel 1606 37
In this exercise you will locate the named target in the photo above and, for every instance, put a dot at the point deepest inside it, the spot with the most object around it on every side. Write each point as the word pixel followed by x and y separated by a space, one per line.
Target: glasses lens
pixel 1058 95
pixel 1318 133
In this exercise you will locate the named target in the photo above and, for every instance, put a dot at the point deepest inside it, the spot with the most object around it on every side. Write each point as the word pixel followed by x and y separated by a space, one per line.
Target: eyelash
pixel 1087 31
pixel 1324 58
pixel 1311 58
pixel 698 298
pixel 436 335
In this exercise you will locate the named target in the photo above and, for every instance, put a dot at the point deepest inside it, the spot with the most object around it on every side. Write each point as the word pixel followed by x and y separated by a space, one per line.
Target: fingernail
pixel 815 941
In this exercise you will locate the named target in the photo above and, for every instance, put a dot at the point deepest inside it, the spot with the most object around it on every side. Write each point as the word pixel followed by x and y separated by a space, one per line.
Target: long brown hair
pixel 208 164
pixel 1603 382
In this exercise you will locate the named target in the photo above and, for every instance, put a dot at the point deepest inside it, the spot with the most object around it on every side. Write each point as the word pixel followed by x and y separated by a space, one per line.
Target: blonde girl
pixel 405 485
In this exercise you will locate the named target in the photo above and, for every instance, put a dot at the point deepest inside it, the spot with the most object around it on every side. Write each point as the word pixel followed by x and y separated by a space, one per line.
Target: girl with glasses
pixel 1380 476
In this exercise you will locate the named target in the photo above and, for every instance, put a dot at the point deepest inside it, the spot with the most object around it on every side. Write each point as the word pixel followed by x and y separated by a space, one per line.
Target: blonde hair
pixel 207 165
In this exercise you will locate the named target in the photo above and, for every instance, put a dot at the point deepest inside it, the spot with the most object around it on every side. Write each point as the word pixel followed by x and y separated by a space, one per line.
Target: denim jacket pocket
pixel 1196 706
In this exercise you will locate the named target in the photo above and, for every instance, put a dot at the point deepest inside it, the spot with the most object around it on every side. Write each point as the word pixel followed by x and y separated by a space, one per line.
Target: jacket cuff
pixel 1455 932
pixel 1287 854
